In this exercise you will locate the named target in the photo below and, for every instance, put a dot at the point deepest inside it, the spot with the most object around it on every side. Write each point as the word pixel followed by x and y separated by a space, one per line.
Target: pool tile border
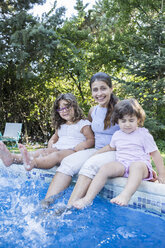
pixel 149 196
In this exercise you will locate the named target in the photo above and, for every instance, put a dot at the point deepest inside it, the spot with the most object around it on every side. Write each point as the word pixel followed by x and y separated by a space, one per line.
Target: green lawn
pixel 29 148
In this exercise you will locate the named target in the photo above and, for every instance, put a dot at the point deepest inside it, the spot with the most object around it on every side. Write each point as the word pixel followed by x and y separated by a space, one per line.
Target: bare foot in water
pixel 27 160
pixel 5 155
pixel 82 203
pixel 121 199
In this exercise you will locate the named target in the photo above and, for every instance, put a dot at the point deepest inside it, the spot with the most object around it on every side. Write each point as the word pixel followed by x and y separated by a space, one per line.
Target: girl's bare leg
pixel 45 162
pixel 42 152
pixel 137 172
pixel 27 160
pixel 113 169
pixel 52 159
pixel 80 189
pixel 7 157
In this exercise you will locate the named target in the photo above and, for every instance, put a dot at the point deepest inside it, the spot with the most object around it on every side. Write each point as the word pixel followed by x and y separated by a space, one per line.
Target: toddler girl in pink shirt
pixel 134 146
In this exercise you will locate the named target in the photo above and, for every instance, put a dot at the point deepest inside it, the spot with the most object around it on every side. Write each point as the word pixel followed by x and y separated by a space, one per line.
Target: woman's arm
pixel 53 140
pixel 90 140
pixel 106 148
pixel 88 133
pixel 158 160
pixel 89 114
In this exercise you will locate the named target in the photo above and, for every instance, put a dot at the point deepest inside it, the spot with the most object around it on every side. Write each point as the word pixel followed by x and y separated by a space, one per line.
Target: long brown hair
pixel 101 76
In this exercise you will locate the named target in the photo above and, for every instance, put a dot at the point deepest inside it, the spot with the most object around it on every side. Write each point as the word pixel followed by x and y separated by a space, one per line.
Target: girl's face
pixel 128 124
pixel 66 111
pixel 101 92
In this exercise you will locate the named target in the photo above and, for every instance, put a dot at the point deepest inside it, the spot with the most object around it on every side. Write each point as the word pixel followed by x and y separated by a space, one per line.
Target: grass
pixel 29 148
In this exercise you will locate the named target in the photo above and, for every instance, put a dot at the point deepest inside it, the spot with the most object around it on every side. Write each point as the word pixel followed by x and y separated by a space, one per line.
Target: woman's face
pixel 101 92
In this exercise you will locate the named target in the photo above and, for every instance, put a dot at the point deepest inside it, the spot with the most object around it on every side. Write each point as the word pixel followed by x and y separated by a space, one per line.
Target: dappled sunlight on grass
pixel 30 147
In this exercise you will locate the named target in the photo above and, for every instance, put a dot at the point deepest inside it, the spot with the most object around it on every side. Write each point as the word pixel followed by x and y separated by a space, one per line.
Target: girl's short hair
pixel 102 76
pixel 128 107
pixel 57 120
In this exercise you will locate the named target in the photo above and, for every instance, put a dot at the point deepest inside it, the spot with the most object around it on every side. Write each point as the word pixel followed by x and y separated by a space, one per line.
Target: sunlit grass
pixel 29 147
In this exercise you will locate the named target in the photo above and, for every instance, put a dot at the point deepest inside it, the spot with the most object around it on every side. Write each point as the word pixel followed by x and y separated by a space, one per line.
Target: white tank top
pixel 70 135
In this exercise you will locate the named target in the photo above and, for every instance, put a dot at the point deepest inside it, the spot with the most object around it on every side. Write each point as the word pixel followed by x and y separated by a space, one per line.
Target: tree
pixel 25 44
pixel 146 63
pixel 130 42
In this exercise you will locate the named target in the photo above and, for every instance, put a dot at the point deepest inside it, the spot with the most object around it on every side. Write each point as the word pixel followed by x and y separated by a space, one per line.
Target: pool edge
pixel 149 196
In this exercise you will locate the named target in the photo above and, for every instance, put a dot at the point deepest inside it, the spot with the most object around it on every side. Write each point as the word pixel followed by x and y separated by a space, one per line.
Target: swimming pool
pixel 23 222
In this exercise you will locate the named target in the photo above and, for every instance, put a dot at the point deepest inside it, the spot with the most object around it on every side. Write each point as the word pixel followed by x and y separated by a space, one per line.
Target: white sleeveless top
pixel 70 135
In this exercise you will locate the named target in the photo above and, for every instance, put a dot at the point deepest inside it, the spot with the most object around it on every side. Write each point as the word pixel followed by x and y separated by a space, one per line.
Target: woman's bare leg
pixel 113 169
pixel 45 162
pixel 59 182
pixel 80 189
pixel 7 157
pixel 137 172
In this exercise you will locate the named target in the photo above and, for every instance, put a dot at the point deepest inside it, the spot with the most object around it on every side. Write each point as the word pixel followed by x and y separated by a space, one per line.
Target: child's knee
pixel 104 169
pixel 137 165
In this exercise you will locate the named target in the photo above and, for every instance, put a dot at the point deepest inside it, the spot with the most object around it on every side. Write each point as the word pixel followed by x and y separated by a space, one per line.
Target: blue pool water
pixel 23 222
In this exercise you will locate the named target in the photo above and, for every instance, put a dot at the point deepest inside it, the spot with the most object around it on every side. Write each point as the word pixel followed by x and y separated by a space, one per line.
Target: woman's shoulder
pixel 92 109
pixel 90 113
pixel 97 110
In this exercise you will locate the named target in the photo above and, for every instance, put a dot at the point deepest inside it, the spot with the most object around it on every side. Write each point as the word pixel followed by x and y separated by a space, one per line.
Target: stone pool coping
pixel 149 196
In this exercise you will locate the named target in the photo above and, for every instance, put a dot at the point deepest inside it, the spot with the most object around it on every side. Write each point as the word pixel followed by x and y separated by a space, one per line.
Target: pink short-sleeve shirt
pixel 133 147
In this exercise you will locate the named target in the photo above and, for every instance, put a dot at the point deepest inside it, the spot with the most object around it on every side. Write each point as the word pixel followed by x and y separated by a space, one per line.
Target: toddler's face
pixel 128 124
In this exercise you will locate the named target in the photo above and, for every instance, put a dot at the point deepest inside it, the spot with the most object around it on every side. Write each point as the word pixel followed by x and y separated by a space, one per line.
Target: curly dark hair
pixel 101 76
pixel 128 107
pixel 57 121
